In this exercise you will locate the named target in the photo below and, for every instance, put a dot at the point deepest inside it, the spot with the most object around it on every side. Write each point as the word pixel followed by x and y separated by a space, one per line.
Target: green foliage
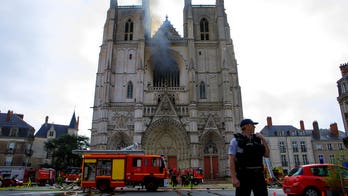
pixel 335 178
pixel 61 149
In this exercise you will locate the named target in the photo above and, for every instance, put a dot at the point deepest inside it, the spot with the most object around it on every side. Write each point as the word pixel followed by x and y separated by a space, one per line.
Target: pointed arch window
pixel 128 30
pixel 129 90
pixel 204 29
pixel 166 71
pixel 344 88
pixel 202 94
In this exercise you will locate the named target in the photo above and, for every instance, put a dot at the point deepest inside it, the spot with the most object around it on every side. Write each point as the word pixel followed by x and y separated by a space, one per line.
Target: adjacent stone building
pixel 328 145
pixel 16 140
pixel 291 147
pixel 47 131
pixel 173 95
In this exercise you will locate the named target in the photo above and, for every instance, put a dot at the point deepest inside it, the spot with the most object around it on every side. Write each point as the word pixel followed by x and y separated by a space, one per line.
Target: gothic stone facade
pixel 173 95
pixel 342 85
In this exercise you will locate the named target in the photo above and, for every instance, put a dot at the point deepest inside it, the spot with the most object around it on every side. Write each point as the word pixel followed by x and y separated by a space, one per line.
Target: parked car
pixel 315 179
pixel 11 182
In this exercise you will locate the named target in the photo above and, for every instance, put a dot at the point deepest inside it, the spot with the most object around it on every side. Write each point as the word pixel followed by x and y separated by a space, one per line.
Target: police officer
pixel 246 152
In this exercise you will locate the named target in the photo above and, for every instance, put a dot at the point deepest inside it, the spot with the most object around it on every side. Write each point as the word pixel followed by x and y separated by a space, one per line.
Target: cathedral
pixel 173 95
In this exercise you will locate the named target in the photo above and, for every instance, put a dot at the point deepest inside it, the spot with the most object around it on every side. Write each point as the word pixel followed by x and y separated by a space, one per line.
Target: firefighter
pixel 246 151
pixel 172 174
pixel 60 180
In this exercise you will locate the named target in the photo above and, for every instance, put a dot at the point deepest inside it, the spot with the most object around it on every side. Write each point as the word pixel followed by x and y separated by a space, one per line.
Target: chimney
pixel 46 120
pixel 316 133
pixel 269 121
pixel 21 116
pixel 302 125
pixel 334 129
pixel 8 115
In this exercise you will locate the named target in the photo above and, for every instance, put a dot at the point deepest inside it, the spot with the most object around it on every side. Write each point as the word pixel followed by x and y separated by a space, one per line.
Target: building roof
pixel 59 129
pixel 14 120
pixel 326 135
pixel 289 130
pixel 166 31
pixel 73 123
pixel 283 130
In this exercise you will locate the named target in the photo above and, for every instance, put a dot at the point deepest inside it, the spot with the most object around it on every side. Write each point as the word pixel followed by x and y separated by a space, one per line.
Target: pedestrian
pixel 246 152
pixel 60 180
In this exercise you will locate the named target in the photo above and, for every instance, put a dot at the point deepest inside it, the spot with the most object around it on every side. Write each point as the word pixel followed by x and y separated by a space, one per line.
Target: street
pixel 169 192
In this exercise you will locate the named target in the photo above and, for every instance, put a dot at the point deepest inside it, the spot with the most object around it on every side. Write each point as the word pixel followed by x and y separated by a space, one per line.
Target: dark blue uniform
pixel 249 166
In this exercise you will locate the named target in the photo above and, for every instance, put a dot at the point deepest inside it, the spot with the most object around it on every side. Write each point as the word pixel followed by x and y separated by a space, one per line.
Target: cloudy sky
pixel 288 54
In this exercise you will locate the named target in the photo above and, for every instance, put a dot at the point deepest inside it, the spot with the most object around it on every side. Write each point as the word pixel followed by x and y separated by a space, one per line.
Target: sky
pixel 288 54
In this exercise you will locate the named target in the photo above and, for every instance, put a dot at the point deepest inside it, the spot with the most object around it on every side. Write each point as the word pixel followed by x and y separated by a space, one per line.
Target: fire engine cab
pixel 40 177
pixel 192 175
pixel 109 169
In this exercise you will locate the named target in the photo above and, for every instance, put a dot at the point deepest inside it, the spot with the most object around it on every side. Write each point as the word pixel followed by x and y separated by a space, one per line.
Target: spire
pixel 188 9
pixel 147 18
pixel 73 123
pixel 221 20
pixel 188 20
pixel 188 2
pixel 220 7
pixel 113 3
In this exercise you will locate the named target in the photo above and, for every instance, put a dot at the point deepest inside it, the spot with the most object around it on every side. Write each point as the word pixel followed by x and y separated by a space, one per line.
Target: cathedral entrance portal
pixel 167 136
pixel 213 149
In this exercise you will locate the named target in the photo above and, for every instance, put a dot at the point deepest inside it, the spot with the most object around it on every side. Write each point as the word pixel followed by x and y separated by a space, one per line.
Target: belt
pixel 250 168
pixel 253 167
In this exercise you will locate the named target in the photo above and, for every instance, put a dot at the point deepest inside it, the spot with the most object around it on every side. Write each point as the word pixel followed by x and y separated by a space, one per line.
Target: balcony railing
pixel 169 89
pixel 10 150
pixel 181 110
pixel 29 152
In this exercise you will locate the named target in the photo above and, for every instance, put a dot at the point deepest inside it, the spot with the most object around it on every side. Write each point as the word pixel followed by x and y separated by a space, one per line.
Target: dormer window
pixel 51 133
pixel 128 32
pixel 13 132
pixel 204 29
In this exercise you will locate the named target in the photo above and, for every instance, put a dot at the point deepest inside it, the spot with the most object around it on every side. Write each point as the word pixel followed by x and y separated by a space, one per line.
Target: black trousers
pixel 251 180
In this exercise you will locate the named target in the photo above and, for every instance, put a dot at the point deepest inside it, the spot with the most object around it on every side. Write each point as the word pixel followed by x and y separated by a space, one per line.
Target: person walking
pixel 246 151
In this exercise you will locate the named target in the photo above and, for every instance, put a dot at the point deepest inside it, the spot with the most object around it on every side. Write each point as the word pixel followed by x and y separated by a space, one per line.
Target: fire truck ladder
pixel 270 172
pixel 127 150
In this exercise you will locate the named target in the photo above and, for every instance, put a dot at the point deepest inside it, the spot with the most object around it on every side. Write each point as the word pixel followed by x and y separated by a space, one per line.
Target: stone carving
pixel 210 148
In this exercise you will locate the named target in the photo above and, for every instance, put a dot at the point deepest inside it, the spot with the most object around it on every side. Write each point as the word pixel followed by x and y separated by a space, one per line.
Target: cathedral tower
pixel 342 85
pixel 173 95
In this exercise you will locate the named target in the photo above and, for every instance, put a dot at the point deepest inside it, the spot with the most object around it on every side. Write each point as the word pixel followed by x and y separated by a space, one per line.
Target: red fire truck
pixel 109 169
pixel 41 176
pixel 72 174
pixel 193 175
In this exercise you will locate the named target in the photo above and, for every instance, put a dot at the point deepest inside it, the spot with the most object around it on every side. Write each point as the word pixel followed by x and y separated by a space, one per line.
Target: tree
pixel 61 151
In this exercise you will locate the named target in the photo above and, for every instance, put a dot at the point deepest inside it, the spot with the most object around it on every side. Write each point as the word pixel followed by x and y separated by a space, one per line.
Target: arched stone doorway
pixel 213 151
pixel 118 140
pixel 167 136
